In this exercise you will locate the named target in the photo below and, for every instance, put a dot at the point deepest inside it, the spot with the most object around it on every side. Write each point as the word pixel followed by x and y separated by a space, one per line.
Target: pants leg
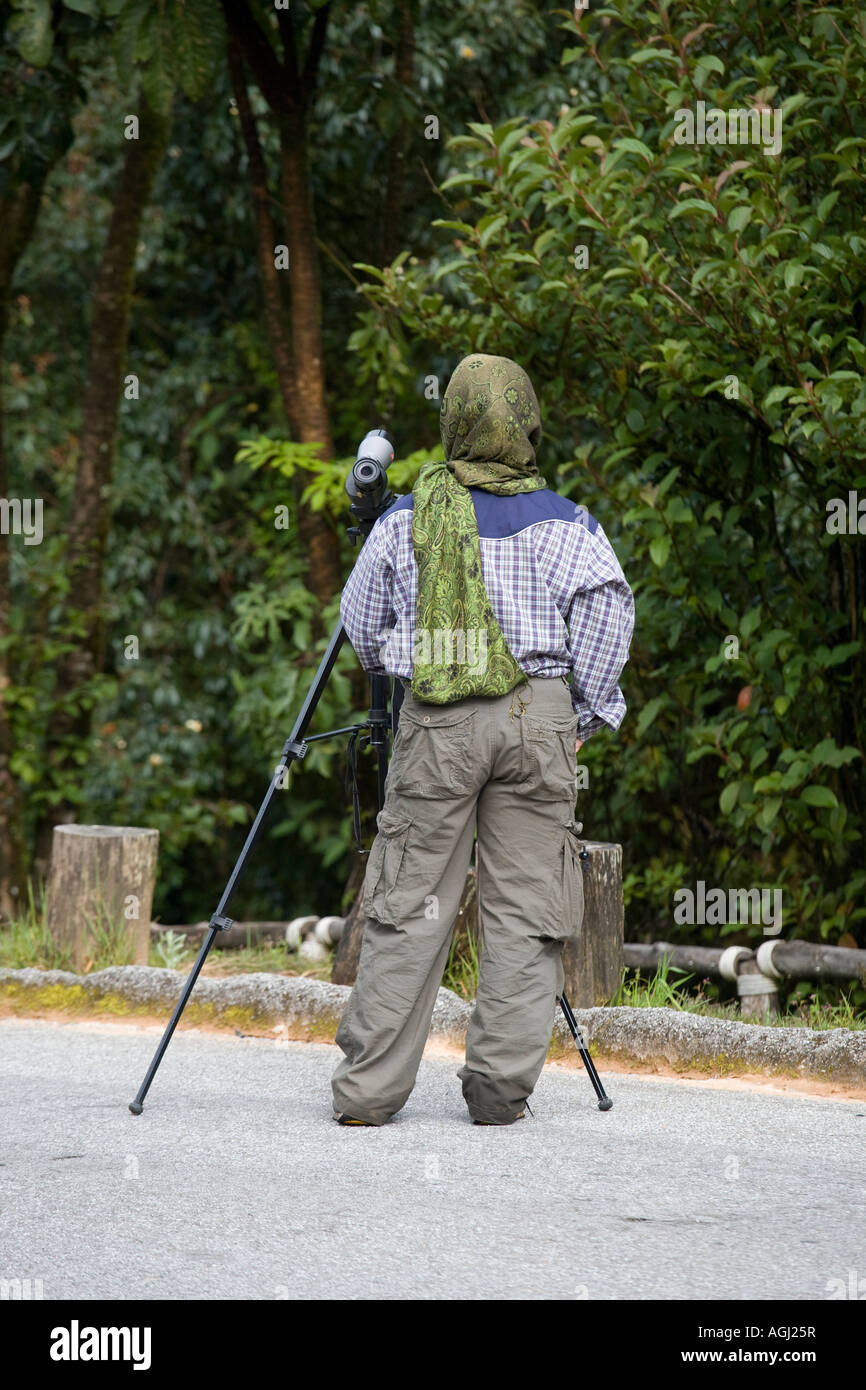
pixel 530 896
pixel 414 881
pixel 387 1020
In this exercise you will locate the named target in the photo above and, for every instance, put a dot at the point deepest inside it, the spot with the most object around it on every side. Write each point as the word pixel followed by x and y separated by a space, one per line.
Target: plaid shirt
pixel 554 582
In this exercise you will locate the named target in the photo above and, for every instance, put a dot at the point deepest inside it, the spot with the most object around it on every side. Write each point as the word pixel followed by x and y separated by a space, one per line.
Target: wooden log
pixel 788 960
pixel 695 960
pixel 101 882
pixel 593 963
pixel 238 936
pixel 806 960
pixel 466 943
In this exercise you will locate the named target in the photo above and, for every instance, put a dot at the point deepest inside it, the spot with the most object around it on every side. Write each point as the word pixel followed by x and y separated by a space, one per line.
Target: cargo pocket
pixel 573 899
pixel 433 752
pixel 381 883
pixel 549 758
pixel 562 918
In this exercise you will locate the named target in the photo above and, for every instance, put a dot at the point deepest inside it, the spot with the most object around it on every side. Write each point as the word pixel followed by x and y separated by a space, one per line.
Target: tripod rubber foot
pixel 136 1107
pixel 606 1104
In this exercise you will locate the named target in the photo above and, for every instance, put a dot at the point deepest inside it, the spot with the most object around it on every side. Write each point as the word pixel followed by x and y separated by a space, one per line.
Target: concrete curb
pixel 721 1046
pixel 311 1009
pixel 306 1007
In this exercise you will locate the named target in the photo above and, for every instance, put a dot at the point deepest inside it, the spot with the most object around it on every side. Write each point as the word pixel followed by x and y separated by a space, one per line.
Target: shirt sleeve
pixel 600 627
pixel 366 607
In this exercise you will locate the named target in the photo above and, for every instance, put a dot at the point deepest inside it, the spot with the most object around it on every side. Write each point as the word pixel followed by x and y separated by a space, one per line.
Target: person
pixel 502 608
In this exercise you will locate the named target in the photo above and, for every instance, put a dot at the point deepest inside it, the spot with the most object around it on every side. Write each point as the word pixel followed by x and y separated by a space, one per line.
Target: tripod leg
pixel 293 749
pixel 604 1100
pixel 380 689
pixel 218 922
pixel 137 1105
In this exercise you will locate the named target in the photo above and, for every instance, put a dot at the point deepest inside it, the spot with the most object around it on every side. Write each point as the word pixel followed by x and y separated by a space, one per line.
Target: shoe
pixel 498 1124
pixel 348 1120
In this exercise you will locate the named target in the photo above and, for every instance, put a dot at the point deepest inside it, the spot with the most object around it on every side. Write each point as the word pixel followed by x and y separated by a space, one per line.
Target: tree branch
pixel 263 62
pixel 290 51
pixel 314 53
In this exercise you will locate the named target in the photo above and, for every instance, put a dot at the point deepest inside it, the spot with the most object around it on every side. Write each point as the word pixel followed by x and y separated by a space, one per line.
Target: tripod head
pixel 367 483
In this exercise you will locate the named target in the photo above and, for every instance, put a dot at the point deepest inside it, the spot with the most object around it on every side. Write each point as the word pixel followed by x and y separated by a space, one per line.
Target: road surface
pixel 235 1182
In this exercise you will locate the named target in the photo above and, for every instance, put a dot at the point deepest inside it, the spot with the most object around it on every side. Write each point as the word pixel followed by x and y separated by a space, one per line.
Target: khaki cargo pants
pixel 507 766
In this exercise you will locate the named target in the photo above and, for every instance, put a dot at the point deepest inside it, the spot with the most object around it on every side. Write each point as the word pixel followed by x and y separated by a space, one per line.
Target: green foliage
pixel 177 43
pixel 25 940
pixel 326 490
pixel 30 29
pixel 693 316
pixel 704 264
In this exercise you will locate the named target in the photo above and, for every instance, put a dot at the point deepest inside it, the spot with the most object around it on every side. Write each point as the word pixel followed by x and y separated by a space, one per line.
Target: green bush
pixel 693 317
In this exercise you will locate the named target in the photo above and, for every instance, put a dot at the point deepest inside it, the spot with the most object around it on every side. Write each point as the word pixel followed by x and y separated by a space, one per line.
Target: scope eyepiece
pixel 366 474
pixel 367 483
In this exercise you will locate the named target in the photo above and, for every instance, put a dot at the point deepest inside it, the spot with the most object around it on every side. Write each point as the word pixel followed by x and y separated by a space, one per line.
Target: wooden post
pixel 757 993
pixel 593 962
pixel 348 954
pixel 101 880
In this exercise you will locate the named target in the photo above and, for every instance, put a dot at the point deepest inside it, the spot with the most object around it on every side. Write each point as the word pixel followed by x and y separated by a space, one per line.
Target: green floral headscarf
pixel 490 427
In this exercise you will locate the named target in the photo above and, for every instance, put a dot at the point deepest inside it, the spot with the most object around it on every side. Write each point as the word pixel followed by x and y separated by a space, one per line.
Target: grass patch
pixel 271 956
pixel 461 970
pixel 662 991
pixel 26 943
pixel 666 990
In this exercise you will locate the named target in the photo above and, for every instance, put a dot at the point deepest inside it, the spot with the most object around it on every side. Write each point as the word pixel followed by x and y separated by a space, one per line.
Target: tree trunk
pixel 266 240
pixel 318 538
pixel 18 212
pixel 89 519
pixel 391 236
pixel 289 89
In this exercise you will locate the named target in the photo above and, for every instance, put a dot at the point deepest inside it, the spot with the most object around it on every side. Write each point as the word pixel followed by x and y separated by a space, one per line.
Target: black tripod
pixel 367 486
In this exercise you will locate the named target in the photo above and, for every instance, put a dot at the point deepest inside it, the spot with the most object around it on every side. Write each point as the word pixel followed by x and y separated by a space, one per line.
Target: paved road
pixel 236 1182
